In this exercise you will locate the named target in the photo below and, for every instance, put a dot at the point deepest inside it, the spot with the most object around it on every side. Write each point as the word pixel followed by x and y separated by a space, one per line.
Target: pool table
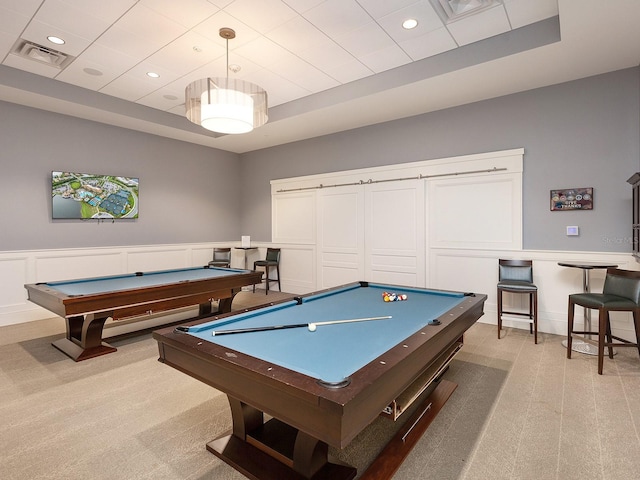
pixel 322 384
pixel 87 303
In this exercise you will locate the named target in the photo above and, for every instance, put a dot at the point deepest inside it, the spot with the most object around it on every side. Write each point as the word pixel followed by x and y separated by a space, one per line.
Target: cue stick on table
pixel 311 326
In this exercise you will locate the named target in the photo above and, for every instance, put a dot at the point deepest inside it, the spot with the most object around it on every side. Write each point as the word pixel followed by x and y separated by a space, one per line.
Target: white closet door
pixel 340 241
pixel 395 233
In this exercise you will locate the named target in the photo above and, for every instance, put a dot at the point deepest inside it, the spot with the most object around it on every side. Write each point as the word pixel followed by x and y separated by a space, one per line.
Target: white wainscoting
pixel 477 271
pixel 297 267
pixel 18 268
pixel 470 270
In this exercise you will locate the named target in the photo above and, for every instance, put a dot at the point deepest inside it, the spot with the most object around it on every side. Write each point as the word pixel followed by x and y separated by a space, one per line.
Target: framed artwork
pixel 572 199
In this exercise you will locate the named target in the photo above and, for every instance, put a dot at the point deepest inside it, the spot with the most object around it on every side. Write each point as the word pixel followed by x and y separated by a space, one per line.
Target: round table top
pixel 587 265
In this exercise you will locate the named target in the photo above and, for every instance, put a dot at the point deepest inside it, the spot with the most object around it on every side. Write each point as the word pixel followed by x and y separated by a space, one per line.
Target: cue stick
pixel 296 325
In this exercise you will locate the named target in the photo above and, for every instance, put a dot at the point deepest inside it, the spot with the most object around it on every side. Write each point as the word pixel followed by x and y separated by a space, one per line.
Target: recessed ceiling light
pixel 56 40
pixel 153 75
pixel 410 23
pixel 170 97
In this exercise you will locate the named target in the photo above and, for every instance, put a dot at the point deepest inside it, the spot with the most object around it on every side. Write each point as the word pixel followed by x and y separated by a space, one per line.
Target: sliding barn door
pixel 395 233
pixel 407 224
pixel 340 235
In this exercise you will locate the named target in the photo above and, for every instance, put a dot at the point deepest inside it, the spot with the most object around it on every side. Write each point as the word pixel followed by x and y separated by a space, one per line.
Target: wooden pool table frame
pixel 308 417
pixel 86 315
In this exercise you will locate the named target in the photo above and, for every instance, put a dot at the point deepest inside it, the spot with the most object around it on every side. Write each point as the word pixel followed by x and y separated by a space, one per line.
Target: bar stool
pixel 621 293
pixel 272 260
pixel 516 276
pixel 221 258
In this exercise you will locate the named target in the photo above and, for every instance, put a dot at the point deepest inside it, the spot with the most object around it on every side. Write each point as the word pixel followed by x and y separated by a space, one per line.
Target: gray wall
pixel 188 193
pixel 578 134
pixel 583 133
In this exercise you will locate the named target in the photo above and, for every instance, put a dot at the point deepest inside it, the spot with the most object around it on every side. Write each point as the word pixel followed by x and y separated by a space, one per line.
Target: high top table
pixel 245 250
pixel 578 345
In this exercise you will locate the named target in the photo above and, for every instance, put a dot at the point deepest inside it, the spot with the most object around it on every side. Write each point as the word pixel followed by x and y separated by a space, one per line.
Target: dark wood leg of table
pixel 309 455
pixel 245 418
pixel 74 327
pixel 84 338
pixel 204 309
pixel 274 450
pixel 224 305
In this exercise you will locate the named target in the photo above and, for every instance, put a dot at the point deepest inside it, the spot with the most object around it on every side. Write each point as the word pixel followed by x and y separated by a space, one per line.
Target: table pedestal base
pixel 277 451
pixel 257 465
pixel 79 353
pixel 583 347
pixel 84 332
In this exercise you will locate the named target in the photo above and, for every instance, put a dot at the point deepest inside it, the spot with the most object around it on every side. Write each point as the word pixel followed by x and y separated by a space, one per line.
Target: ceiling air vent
pixel 452 10
pixel 38 53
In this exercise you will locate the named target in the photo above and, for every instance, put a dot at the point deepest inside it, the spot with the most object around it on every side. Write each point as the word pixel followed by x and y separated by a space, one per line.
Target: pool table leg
pixel 84 338
pixel 274 450
pixel 224 304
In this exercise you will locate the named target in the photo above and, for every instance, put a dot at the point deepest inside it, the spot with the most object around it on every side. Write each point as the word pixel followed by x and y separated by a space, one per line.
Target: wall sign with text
pixel 572 199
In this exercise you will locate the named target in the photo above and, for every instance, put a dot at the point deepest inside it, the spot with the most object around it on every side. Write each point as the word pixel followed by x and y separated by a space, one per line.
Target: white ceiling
pixel 327 65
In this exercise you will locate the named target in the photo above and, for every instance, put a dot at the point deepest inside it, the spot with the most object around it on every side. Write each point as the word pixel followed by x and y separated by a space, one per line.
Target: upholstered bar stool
pixel 516 276
pixel 221 258
pixel 621 293
pixel 271 261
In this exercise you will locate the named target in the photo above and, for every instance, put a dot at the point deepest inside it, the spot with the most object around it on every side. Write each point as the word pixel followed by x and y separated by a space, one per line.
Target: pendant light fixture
pixel 226 105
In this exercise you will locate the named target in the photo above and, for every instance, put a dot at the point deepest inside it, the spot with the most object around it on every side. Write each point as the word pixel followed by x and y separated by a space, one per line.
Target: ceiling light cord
pixel 227 34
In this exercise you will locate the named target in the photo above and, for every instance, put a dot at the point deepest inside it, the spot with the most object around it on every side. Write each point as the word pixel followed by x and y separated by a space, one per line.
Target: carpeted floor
pixel 520 411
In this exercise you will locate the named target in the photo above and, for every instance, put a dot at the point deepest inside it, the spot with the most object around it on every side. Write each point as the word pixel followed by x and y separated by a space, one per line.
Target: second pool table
pixel 87 303
pixel 321 387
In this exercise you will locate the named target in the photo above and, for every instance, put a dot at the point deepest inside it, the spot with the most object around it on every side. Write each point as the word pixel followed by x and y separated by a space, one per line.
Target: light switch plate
pixel 573 231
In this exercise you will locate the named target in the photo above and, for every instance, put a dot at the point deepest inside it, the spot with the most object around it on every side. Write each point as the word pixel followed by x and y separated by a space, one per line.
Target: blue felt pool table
pixel 322 384
pixel 87 303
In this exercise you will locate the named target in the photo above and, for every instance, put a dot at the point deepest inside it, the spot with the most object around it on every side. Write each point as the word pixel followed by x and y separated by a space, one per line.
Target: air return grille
pixel 38 53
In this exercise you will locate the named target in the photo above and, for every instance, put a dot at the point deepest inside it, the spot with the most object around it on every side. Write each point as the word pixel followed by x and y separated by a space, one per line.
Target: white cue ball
pixel 312 327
